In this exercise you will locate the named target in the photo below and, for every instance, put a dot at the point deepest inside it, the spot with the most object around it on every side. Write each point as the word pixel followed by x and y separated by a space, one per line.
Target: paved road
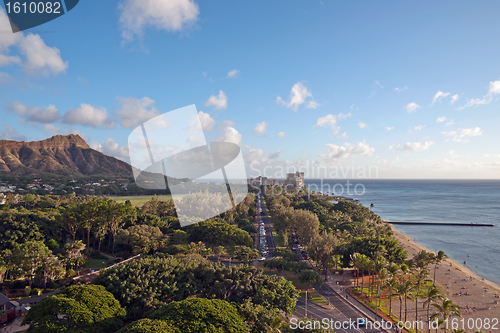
pixel 343 311
pixel 269 235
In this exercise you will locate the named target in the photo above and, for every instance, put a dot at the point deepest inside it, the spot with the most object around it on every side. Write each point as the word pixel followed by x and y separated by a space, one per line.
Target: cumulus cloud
pixel 88 115
pixel 413 146
pixel 329 120
pixel 281 135
pixel 439 95
pixel 451 122
pixel 171 16
pixel 454 98
pixel 401 89
pixel 234 73
pixel 229 133
pixel 494 89
pixel 343 135
pixel 11 134
pixel 362 125
pixel 389 129
pixel 462 134
pixel 299 94
pixel 260 129
pixel 111 148
pixel 441 119
pixel 35 114
pixel 134 112
pixel 349 150
pixel 38 57
pixel 220 101
pixel 207 122
pixel 419 127
pixel 411 107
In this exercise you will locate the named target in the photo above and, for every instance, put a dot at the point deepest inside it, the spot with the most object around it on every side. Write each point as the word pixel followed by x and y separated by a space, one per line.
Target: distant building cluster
pixel 292 181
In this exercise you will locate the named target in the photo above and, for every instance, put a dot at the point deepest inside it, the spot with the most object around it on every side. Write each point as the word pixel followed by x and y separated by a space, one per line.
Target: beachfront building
pixel 258 181
pixel 294 180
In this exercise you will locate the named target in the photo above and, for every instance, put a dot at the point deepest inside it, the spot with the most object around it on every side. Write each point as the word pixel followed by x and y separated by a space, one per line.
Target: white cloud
pixel 441 119
pixel 494 89
pixel 229 133
pixel 88 115
pixel 172 15
pixel 134 112
pixel 111 148
pixel 11 134
pixel 401 89
pixel 389 129
pixel 274 155
pixel 328 120
pixel 207 122
pixel 220 101
pixel 451 122
pixel 39 58
pixel 454 98
pixel 419 127
pixel 281 135
pixel 439 95
pixel 343 115
pixel 362 125
pixel 343 135
pixel 6 60
pixel 413 146
pixel 411 107
pixel 34 114
pixel 462 134
pixel 298 95
pixel 261 128
pixel 234 73
pixel 349 150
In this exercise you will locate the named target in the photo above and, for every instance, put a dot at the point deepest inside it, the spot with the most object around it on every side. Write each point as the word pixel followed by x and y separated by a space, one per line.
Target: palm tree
pixel 364 262
pixel 447 308
pixel 407 289
pixel 394 272
pixel 437 260
pixel 355 262
pixel 420 275
pixel 431 296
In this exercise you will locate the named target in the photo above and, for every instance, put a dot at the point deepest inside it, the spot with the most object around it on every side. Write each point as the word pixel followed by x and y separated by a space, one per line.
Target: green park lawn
pixel 139 200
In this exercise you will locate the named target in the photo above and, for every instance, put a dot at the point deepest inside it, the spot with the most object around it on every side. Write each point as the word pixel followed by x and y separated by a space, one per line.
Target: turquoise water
pixel 459 201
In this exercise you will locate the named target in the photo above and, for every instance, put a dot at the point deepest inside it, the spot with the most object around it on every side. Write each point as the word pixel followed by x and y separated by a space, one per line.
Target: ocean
pixel 447 201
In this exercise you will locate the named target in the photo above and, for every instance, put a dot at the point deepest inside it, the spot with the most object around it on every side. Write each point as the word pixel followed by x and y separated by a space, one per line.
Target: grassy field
pixel 139 200
pixel 96 263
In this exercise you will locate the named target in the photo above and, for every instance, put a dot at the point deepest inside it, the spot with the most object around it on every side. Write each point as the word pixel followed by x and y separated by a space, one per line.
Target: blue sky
pixel 408 88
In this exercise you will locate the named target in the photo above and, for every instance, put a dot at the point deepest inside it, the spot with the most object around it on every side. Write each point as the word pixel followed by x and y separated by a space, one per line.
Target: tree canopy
pixel 76 309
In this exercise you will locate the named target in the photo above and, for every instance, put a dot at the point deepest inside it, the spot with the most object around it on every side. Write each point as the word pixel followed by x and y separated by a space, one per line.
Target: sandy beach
pixel 475 296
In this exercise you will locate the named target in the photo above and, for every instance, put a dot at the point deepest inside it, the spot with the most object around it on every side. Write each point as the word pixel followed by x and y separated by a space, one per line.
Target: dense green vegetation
pixel 173 286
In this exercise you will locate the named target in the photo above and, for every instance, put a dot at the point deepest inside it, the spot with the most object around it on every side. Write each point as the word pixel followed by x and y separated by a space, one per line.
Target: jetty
pixel 445 224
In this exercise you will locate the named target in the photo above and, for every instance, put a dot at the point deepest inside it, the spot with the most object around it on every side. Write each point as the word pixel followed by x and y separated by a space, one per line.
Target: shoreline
pixel 403 238
pixel 453 278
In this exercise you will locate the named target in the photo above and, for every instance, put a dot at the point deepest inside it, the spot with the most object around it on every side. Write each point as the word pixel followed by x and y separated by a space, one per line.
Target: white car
pixel 262 259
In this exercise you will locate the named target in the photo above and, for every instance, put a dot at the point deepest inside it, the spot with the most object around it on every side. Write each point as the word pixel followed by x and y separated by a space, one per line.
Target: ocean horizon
pixel 435 200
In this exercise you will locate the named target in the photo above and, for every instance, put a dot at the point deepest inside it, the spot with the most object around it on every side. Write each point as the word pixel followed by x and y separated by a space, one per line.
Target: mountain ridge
pixel 67 155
